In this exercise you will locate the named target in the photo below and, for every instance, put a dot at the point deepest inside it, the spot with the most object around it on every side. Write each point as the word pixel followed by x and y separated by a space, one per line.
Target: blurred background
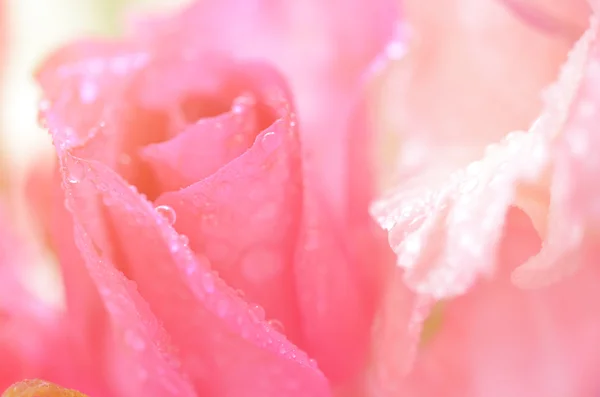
pixel 36 28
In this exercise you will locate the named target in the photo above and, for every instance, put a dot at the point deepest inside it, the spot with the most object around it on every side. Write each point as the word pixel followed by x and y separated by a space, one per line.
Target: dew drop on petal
pixel 190 268
pixel 184 239
pixel 75 170
pixel 43 108
pixel 168 213
pixel 44 105
pixel 208 283
pixel 270 141
pixel 277 325
pixel 257 312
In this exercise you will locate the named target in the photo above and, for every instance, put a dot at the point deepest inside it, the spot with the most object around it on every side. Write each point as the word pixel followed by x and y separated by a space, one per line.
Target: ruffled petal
pixel 558 17
pixel 573 215
pixel 447 98
pixel 445 226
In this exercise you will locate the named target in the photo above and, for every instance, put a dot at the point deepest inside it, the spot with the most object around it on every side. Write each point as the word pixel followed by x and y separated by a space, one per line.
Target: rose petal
pixel 210 143
pixel 203 148
pixel 251 242
pixel 87 320
pixel 215 332
pixel 139 360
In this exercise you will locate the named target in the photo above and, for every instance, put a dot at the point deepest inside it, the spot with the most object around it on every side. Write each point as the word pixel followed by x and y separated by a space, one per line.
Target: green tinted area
pixel 433 323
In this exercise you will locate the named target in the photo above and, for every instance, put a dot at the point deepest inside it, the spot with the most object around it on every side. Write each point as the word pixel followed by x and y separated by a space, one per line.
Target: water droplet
pixel 208 282
pixel 75 170
pixel 243 102
pixel 44 105
pixel 257 312
pixel 208 220
pixel 43 108
pixel 313 363
pixel 191 268
pixel 270 141
pixel 134 340
pixel 277 325
pixel 184 239
pixel 168 213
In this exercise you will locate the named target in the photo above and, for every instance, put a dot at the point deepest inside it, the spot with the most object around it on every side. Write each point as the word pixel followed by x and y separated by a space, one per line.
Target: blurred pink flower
pixel 32 334
pixel 480 218
pixel 201 210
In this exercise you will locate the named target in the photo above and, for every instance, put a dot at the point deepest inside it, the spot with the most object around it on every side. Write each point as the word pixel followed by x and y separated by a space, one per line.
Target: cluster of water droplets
pixel 231 306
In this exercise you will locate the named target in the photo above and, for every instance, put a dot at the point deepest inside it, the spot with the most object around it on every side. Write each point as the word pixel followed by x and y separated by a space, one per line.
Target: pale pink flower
pixel 489 204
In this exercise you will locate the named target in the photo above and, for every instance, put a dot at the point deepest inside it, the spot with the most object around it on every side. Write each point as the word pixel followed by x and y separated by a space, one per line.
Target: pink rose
pixel 481 218
pixel 206 235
